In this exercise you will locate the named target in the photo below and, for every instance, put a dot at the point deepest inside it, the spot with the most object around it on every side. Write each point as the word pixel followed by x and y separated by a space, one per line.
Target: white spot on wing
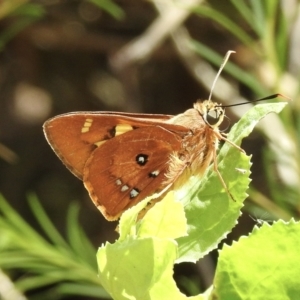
pixel 134 193
pixel 124 188
pixel 154 173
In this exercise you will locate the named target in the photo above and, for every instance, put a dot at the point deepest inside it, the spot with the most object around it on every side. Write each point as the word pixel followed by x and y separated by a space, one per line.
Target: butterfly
pixel 123 157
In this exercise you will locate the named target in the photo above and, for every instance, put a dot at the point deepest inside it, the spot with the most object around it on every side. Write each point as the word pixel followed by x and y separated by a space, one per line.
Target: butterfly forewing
pixel 74 136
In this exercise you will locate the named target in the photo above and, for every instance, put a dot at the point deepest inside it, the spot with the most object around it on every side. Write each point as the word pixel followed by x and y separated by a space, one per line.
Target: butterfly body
pixel 123 158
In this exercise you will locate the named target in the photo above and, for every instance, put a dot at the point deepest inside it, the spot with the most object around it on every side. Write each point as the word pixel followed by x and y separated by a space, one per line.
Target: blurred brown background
pixel 63 56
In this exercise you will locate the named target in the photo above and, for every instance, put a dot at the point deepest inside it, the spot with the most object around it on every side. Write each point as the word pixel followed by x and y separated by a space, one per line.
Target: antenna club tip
pixel 284 96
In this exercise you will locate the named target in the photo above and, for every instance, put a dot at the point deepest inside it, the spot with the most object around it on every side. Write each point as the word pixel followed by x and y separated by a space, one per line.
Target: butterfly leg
pixel 219 174
pixel 223 136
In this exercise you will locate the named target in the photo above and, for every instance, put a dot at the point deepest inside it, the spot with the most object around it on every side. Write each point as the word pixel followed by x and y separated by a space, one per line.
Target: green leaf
pixel 140 264
pixel 139 269
pixel 264 265
pixel 211 213
pixel 159 220
pixel 127 224
pixel 110 7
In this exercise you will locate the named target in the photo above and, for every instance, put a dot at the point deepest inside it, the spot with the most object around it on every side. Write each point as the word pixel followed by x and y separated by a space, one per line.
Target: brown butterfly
pixel 123 158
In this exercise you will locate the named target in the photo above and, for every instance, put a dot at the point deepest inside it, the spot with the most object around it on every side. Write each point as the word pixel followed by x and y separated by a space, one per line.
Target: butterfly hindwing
pixel 128 168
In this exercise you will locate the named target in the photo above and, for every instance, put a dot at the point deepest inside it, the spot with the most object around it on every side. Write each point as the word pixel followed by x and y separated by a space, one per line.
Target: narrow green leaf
pixel 82 290
pixel 248 14
pixel 46 223
pixel 15 223
pixel 78 239
pixel 258 15
pixel 242 76
pixel 225 22
pixel 110 7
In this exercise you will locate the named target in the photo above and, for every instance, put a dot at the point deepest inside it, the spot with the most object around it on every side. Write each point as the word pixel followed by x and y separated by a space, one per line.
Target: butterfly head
pixel 212 113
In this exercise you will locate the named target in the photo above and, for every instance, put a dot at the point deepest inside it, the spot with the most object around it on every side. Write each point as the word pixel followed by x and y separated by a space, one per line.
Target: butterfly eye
pixel 214 116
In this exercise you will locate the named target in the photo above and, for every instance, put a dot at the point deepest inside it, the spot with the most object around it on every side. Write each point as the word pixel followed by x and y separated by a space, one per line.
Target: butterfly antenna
pixel 257 100
pixel 219 72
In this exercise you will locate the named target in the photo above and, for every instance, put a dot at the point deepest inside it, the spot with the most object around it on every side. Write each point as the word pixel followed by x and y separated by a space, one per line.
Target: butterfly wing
pixel 128 168
pixel 75 136
pixel 121 158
